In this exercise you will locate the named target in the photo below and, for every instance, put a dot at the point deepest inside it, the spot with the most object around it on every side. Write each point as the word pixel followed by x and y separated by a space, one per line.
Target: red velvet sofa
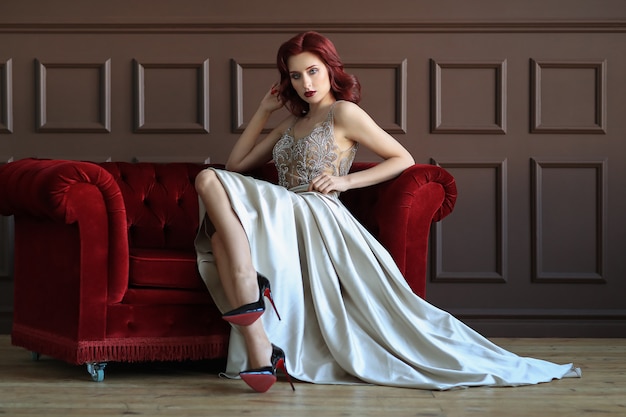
pixel 105 267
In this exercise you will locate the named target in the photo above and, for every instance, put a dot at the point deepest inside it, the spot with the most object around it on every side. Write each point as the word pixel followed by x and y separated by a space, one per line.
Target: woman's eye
pixel 313 71
pixel 295 76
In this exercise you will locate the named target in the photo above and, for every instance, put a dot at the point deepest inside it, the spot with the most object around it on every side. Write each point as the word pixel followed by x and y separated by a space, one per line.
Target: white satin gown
pixel 348 315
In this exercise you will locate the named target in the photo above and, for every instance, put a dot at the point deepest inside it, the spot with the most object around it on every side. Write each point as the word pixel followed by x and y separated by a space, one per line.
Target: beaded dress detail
pixel 299 161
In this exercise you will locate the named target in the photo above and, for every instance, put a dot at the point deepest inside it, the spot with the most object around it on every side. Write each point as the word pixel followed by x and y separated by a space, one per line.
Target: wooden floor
pixel 52 388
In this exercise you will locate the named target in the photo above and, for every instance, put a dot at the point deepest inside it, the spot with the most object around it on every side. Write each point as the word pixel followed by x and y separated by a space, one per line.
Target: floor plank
pixel 52 388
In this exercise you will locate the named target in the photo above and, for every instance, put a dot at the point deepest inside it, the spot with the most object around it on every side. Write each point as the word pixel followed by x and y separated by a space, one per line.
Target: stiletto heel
pixel 262 379
pixel 249 313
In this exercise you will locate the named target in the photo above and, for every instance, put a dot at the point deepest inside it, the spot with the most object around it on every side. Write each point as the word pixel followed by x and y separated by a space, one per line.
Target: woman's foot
pixel 261 379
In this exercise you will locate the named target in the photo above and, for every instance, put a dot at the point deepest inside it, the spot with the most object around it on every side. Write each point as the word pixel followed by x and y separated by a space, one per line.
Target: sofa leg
pixel 96 370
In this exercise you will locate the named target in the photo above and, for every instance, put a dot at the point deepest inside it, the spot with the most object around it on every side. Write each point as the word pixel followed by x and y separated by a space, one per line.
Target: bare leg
pixel 234 262
pixel 257 343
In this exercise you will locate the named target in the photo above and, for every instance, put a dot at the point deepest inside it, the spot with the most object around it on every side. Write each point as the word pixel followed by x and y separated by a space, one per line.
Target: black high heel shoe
pixel 249 313
pixel 262 379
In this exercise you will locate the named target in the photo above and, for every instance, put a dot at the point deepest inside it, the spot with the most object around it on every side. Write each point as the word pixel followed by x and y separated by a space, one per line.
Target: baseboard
pixel 546 323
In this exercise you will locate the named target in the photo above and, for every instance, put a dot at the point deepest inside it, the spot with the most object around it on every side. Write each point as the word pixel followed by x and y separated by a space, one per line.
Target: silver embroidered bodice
pixel 299 161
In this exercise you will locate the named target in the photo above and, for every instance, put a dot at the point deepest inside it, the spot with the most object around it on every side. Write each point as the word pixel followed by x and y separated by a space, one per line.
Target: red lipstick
pixel 309 94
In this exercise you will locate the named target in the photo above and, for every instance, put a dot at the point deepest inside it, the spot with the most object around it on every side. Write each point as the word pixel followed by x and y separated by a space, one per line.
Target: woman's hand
pixel 327 183
pixel 272 100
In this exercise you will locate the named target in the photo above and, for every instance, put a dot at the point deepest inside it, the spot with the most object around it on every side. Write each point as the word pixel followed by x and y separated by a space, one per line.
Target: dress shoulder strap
pixel 331 113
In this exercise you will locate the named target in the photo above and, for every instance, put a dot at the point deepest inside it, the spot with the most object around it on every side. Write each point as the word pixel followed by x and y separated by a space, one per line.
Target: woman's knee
pixel 205 180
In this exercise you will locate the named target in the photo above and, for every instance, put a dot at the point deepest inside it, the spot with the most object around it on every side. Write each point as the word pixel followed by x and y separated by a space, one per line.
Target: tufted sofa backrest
pixel 161 202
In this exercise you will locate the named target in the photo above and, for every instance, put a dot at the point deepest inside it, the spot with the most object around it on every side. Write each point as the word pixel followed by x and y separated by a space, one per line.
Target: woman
pixel 348 314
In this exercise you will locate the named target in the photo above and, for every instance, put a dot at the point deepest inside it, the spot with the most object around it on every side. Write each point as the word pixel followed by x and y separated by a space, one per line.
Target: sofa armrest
pixel 63 207
pixel 405 210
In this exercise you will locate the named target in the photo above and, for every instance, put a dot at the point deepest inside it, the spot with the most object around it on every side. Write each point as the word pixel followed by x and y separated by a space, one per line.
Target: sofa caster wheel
pixel 35 356
pixel 96 370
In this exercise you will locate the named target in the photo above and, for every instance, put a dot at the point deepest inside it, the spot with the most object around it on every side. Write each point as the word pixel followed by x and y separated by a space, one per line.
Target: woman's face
pixel 309 77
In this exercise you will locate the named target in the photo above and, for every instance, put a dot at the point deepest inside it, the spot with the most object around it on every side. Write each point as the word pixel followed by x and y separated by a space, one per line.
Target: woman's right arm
pixel 248 152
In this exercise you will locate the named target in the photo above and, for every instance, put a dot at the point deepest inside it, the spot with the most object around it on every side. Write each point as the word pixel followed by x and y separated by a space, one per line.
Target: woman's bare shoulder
pixel 348 111
pixel 343 106
pixel 348 114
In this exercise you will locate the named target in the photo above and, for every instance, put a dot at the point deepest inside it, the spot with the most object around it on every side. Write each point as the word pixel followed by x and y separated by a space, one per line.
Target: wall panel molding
pixel 440 259
pixel 596 100
pixel 441 112
pixel 561 205
pixel 6 97
pixel 102 94
pixel 505 322
pixel 236 26
pixel 238 69
pixel 199 121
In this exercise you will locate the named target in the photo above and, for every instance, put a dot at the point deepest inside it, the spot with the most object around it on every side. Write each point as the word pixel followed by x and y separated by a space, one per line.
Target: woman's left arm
pixel 353 124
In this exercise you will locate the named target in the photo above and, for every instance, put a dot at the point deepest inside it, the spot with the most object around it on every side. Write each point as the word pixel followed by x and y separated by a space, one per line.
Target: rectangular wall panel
pixel 171 97
pixel 250 82
pixel 569 216
pixel 471 246
pixel 468 97
pixel 569 96
pixel 73 97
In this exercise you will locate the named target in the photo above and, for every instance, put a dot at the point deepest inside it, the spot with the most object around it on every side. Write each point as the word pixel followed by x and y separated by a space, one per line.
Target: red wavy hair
pixel 344 86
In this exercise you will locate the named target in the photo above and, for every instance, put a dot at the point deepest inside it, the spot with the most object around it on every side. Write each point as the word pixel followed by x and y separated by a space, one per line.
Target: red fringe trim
pixel 134 349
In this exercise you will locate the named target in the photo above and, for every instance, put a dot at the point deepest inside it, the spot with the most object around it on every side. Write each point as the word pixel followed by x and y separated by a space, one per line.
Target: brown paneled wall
pixel 523 102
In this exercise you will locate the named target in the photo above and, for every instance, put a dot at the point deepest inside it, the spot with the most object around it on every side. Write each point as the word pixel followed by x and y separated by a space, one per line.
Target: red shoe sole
pixel 244 319
pixel 259 382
